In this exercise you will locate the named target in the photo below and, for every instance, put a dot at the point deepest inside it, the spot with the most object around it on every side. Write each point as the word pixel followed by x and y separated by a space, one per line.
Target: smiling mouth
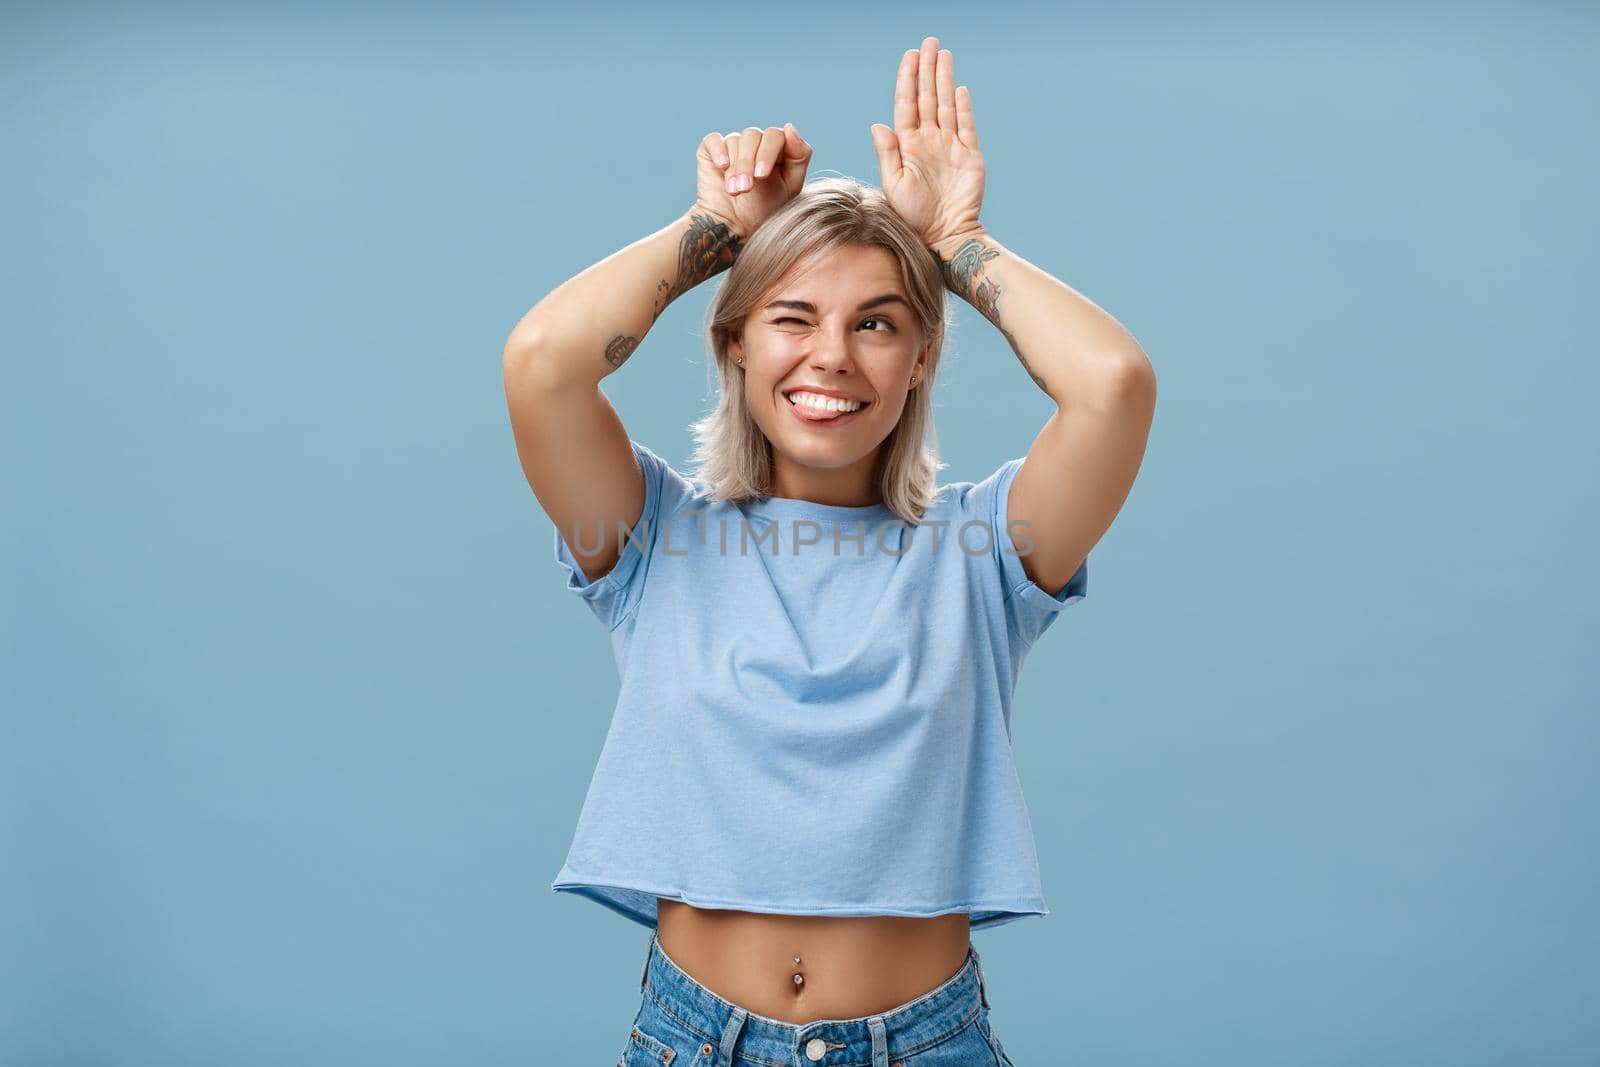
pixel 820 414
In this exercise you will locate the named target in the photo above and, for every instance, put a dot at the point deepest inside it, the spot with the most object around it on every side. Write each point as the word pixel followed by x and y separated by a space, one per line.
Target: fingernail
pixel 761 169
pixel 745 181
pixel 733 182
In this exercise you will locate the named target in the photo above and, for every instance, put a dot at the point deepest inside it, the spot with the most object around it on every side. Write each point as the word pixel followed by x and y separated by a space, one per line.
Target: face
pixel 840 324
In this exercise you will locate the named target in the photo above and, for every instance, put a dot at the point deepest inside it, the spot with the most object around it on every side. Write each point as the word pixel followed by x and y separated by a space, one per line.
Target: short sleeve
pixel 614 595
pixel 1029 609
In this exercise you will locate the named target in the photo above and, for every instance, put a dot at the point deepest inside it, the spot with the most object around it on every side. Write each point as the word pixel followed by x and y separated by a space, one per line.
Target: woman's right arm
pixel 572 446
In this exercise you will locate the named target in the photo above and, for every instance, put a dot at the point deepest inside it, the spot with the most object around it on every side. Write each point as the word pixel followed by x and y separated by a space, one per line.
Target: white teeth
pixel 822 403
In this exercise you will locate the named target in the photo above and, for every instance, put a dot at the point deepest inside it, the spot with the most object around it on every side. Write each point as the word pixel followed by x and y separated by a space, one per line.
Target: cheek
pixel 781 350
pixel 761 392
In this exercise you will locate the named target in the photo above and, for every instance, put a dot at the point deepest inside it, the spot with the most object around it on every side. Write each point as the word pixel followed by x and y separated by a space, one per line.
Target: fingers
pixel 925 90
pixel 738 150
pixel 741 148
pixel 945 85
pixel 966 128
pixel 752 153
pixel 886 146
pixel 715 148
pixel 927 95
pixel 796 152
pixel 768 149
pixel 905 93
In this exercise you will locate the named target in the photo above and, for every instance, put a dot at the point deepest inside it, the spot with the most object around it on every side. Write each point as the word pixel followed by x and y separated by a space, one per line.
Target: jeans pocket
pixel 657 1040
pixel 646 1050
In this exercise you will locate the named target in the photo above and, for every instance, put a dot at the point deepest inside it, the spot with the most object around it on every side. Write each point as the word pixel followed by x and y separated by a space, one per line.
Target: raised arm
pixel 572 445
pixel 1081 466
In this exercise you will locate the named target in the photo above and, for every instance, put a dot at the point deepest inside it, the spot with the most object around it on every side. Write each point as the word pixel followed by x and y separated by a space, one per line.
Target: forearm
pixel 588 326
pixel 1073 350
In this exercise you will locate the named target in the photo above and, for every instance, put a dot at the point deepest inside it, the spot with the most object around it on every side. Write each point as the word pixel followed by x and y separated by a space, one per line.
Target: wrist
pixel 947 246
pixel 723 226
pixel 708 244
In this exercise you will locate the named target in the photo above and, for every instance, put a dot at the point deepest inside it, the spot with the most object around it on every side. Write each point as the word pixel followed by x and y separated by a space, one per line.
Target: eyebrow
pixel 811 309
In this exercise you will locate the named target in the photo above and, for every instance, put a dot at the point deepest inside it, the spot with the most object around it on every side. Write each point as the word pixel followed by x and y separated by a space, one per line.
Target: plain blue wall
pixel 298 715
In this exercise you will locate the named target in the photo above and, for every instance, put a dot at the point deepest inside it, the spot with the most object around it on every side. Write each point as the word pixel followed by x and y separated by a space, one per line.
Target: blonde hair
pixel 732 455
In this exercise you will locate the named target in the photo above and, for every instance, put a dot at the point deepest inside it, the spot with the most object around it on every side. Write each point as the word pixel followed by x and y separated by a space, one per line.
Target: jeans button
pixel 816 1048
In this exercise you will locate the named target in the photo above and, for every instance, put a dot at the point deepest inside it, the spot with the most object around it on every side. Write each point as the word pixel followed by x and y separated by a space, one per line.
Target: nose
pixel 830 353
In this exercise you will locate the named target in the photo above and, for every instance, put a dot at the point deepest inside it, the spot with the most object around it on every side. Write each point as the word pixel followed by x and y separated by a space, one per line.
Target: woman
pixel 807 789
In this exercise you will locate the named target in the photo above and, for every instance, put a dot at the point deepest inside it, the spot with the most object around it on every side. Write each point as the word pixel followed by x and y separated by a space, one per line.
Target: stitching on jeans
pixel 669 1013
pixel 694 1030
pixel 951 1036
pixel 649 1042
pixel 1000 1058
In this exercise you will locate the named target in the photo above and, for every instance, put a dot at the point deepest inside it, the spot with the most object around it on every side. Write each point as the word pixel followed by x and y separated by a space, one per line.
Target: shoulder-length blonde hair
pixel 732 455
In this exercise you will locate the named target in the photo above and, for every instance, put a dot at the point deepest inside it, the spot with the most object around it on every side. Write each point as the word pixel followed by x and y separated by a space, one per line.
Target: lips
pixel 822 391
pixel 813 417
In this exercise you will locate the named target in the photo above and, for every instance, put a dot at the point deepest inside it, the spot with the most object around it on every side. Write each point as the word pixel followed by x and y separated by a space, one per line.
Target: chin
pixel 827 454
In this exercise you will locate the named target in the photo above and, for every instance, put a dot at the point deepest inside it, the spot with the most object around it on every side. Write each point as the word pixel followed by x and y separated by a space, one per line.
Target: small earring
pixel 740 361
pixel 913 379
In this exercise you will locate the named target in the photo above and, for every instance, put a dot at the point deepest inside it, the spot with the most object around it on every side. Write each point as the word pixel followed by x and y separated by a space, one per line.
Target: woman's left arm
pixel 1080 468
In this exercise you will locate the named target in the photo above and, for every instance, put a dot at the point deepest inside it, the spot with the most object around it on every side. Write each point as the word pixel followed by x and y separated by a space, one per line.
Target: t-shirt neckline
pixel 783 507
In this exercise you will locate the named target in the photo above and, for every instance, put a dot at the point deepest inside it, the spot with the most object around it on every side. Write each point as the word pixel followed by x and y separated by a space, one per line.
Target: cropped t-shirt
pixel 814 713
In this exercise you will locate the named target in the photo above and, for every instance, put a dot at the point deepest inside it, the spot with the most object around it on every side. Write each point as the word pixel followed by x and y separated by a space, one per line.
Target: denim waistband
pixel 919 1023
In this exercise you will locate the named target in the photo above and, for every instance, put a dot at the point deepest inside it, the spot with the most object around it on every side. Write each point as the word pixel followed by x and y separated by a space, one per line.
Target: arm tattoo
pixel 620 348
pixel 708 247
pixel 964 274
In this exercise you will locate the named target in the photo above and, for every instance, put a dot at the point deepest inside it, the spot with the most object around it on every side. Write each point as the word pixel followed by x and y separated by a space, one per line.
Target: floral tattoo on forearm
pixel 708 247
pixel 964 273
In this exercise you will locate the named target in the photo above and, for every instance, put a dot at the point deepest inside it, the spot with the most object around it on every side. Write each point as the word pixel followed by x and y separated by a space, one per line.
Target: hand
pixel 780 155
pixel 930 166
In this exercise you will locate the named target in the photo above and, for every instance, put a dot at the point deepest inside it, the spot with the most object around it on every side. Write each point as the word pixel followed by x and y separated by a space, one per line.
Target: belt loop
pixel 983 990
pixel 880 1041
pixel 730 1035
pixel 644 972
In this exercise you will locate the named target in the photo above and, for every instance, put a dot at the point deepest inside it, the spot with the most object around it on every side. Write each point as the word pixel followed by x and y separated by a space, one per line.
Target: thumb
pixel 887 146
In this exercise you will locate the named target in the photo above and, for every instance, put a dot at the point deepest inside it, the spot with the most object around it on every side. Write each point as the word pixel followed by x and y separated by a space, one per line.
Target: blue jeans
pixel 681 1023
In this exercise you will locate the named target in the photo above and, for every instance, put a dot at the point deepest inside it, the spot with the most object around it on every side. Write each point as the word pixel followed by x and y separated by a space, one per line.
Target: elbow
pixel 526 359
pixel 1138 378
pixel 1130 383
pixel 520 346
pixel 529 363
pixel 523 365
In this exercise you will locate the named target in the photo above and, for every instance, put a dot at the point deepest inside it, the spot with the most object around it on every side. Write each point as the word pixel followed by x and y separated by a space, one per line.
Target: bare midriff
pixel 848 966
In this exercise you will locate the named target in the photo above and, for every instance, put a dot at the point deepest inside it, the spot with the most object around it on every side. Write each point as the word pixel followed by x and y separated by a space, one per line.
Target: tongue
pixel 818 414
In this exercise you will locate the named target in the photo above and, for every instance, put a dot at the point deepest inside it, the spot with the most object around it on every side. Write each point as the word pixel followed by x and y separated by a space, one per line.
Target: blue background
pixel 298 716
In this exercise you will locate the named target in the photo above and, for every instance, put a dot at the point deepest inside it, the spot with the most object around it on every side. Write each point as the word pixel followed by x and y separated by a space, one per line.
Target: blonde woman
pixel 807 791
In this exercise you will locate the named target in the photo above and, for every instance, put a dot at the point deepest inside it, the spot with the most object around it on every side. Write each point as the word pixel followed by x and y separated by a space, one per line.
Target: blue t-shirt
pixel 814 714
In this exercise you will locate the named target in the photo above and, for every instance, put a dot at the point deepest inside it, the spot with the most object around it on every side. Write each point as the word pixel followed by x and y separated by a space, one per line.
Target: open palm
pixel 929 164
